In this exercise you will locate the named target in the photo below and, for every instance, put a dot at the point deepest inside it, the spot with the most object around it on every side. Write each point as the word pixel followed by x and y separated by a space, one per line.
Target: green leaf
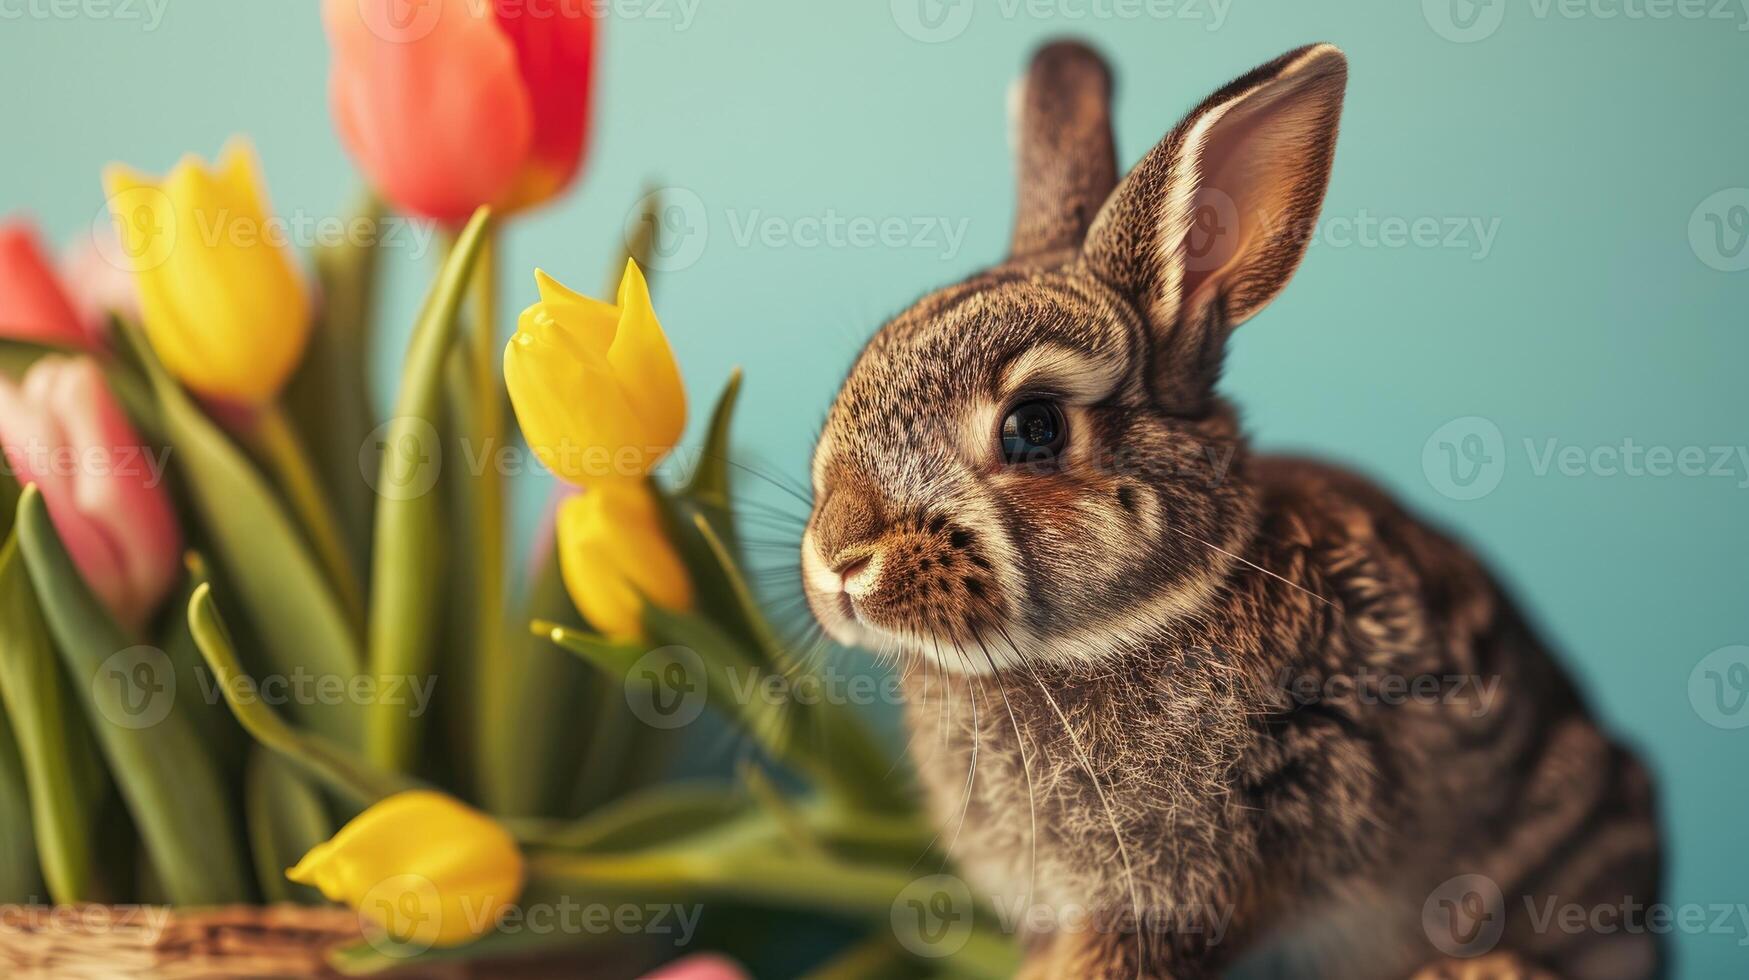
pixel 20 876
pixel 642 243
pixel 17 354
pixel 756 866
pixel 171 783
pixel 710 475
pixel 744 606
pixel 406 573
pixel 645 819
pixel 328 397
pixel 880 957
pixel 857 763
pixel 330 763
pixel 286 819
pixel 56 749
pixel 544 713
pixel 732 672
pixel 299 618
pixel 218 731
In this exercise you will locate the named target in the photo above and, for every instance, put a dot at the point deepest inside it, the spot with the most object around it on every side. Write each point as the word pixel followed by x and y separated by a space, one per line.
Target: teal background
pixel 1590 320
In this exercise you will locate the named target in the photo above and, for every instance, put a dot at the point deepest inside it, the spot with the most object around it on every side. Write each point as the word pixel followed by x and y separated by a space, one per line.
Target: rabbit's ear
pixel 1211 224
pixel 1061 110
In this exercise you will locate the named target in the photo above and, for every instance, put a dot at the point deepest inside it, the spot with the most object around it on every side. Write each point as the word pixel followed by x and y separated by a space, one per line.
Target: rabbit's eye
pixel 1034 432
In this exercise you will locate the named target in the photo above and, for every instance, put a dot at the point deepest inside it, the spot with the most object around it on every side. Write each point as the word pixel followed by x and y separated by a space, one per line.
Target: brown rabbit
pixel 1182 708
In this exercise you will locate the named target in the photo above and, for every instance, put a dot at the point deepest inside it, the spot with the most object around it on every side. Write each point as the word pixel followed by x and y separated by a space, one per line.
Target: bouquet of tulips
pixel 259 645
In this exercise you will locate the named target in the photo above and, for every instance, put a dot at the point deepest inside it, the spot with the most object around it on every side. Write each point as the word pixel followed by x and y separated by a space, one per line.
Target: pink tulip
pixel 62 430
pixel 33 304
pixel 705 966
pixel 450 104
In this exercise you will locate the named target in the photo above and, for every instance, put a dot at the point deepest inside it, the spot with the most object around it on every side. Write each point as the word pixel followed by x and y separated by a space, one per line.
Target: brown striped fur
pixel 1108 658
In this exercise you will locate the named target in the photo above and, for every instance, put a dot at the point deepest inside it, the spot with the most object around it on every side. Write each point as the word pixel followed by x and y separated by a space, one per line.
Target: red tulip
pixel 33 305
pixel 63 430
pixel 450 104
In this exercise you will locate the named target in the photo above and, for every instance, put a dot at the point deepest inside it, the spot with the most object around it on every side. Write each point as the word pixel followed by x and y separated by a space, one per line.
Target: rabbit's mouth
pixel 920 588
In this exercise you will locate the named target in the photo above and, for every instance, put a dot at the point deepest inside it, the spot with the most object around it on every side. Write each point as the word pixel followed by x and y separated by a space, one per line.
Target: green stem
pixel 278 443
pixel 327 762
pixel 743 865
pixel 485 355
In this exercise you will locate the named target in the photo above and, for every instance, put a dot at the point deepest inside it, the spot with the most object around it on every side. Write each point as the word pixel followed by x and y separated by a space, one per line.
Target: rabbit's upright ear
pixel 1211 224
pixel 1066 165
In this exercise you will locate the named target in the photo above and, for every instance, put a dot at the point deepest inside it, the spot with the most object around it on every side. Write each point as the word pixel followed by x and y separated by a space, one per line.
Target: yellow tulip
pixel 223 304
pixel 595 385
pixel 427 869
pixel 614 555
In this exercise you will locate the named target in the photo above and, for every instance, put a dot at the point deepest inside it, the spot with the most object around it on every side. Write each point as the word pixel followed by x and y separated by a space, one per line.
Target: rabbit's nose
pixel 858 574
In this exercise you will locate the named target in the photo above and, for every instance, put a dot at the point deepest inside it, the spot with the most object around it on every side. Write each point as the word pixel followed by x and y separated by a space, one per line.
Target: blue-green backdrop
pixel 1534 242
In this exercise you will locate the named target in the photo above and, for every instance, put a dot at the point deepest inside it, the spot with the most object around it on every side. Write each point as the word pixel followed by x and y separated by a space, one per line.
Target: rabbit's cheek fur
pixel 921 582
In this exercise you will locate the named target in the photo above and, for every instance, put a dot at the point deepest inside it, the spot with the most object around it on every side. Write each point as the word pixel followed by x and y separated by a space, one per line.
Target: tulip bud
pixel 595 386
pixel 223 304
pixel 452 104
pixel 63 431
pixel 424 867
pixel 614 554
pixel 33 305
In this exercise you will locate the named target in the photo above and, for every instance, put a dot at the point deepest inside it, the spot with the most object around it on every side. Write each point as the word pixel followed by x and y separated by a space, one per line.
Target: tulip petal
pixel 38 451
pixel 575 317
pixel 554 54
pixel 423 866
pixel 33 304
pixel 644 363
pixel 119 494
pixel 434 112
pixel 615 556
pixel 225 308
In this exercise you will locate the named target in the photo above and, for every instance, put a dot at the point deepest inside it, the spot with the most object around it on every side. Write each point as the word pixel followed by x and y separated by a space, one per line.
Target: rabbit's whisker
pixel 1123 849
pixel 1245 561
pixel 1025 769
